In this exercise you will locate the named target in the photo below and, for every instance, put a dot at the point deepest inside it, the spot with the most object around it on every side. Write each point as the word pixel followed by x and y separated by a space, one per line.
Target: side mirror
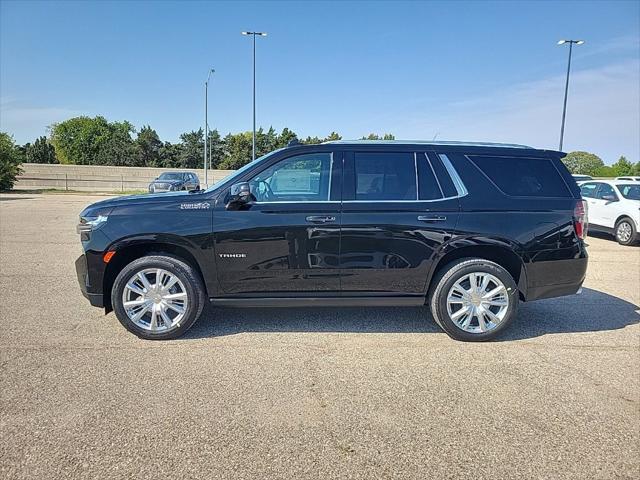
pixel 240 194
pixel 610 198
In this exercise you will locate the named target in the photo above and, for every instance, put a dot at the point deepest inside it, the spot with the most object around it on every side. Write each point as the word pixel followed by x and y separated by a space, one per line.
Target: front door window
pixel 302 178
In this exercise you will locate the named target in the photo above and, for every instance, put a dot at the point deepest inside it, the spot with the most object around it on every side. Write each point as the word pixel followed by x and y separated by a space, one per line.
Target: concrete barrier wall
pixel 90 178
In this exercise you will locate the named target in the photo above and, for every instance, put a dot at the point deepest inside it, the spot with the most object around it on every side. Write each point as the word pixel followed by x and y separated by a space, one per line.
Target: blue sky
pixel 486 71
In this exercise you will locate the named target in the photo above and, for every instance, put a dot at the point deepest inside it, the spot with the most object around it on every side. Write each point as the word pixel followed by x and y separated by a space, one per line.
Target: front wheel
pixel 474 299
pixel 157 297
pixel 625 232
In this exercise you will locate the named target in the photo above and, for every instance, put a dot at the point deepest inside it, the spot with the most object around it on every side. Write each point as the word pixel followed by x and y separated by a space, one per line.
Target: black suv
pixel 172 181
pixel 469 229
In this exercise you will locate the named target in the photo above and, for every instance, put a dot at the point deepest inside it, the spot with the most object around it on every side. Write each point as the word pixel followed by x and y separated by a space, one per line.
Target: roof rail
pixel 426 142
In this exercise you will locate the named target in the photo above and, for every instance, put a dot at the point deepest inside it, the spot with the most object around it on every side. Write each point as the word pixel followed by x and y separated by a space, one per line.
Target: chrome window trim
pixel 415 165
pixel 401 201
pixel 296 202
pixel 330 174
pixel 457 181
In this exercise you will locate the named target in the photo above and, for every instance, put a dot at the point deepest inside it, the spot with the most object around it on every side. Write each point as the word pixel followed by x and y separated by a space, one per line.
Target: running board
pixel 382 301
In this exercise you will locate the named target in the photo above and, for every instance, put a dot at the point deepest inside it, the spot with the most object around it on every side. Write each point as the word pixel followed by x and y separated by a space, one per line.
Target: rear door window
pixel 588 190
pixel 385 176
pixel 523 177
pixel 606 190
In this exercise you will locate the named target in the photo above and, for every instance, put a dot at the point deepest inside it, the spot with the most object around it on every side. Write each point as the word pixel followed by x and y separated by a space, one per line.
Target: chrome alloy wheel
pixel 477 302
pixel 155 300
pixel 624 232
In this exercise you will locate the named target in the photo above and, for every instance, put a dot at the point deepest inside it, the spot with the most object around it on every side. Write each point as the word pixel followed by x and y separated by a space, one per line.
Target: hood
pixel 142 199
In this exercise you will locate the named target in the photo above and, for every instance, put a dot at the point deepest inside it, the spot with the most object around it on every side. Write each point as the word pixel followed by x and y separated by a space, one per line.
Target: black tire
pixel 449 275
pixel 187 275
pixel 620 236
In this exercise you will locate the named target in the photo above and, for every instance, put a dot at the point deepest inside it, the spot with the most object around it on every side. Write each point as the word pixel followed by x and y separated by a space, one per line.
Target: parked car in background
pixel 614 207
pixel 468 229
pixel 174 181
pixel 581 178
pixel 630 179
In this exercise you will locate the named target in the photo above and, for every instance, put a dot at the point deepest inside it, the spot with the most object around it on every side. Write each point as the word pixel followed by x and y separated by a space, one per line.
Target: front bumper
pixel 95 299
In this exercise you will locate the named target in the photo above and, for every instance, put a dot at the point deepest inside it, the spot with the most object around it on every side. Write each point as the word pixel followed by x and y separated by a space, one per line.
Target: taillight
pixel 580 219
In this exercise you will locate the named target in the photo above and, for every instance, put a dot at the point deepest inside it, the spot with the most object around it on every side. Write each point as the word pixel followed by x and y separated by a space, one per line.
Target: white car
pixel 613 207
pixel 581 178
pixel 630 178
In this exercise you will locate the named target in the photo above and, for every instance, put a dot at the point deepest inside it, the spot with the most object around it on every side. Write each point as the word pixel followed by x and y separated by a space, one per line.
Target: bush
pixel 10 160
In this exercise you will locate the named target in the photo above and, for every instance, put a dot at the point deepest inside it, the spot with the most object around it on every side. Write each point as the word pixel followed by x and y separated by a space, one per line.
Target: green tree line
pixel 96 141
pixel 585 163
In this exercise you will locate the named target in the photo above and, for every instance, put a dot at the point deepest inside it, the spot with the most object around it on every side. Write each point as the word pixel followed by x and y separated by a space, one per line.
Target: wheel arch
pixel 502 253
pixel 623 216
pixel 132 250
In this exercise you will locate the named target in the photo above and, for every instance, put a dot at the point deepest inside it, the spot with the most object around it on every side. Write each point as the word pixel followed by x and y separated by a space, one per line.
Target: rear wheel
pixel 157 297
pixel 474 299
pixel 625 231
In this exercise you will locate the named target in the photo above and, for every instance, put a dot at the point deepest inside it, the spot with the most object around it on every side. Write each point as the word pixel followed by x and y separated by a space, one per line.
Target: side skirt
pixel 411 301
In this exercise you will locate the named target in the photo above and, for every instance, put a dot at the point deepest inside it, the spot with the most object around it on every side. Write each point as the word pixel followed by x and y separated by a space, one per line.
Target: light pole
pixel 566 85
pixel 206 127
pixel 253 34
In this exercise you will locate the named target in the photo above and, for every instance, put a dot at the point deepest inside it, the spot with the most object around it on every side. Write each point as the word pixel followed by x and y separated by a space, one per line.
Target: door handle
pixel 432 218
pixel 321 219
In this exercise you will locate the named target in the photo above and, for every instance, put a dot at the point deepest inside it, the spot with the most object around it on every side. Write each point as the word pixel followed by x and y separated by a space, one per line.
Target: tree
pixel 636 169
pixel 169 155
pixel 40 151
pixel 266 142
pixel 215 145
pixel 583 163
pixel 237 150
pixel 605 171
pixel 117 147
pixel 10 159
pixel 375 136
pixel 94 141
pixel 622 167
pixel 148 145
pixel 192 149
pixel 333 136
pixel 285 137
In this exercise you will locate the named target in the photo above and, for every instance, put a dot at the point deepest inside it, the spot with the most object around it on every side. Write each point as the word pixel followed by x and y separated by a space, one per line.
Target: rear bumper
pixel 95 299
pixel 551 291
pixel 551 274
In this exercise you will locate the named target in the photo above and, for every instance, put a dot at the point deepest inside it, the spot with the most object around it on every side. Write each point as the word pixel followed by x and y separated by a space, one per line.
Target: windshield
pixel 241 170
pixel 170 176
pixel 630 192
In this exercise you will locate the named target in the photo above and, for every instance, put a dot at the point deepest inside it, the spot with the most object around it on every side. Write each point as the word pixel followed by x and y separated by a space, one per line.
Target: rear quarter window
pixel 523 176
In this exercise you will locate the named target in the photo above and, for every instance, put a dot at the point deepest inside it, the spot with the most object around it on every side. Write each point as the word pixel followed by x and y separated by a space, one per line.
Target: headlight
pixel 92 220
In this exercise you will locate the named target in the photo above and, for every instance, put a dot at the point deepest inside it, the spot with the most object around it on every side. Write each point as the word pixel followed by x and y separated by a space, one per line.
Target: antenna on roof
pixel 293 142
pixel 435 136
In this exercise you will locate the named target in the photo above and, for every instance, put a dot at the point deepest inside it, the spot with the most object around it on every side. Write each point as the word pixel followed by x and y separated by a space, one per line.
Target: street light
pixel 566 86
pixel 253 34
pixel 206 127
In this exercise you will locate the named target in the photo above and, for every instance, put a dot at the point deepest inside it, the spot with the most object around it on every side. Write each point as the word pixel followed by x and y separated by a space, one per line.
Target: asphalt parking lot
pixel 318 393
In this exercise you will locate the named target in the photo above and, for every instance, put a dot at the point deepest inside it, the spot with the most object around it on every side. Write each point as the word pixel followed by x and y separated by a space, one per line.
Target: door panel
pixel 387 246
pixel 286 241
pixel 271 248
